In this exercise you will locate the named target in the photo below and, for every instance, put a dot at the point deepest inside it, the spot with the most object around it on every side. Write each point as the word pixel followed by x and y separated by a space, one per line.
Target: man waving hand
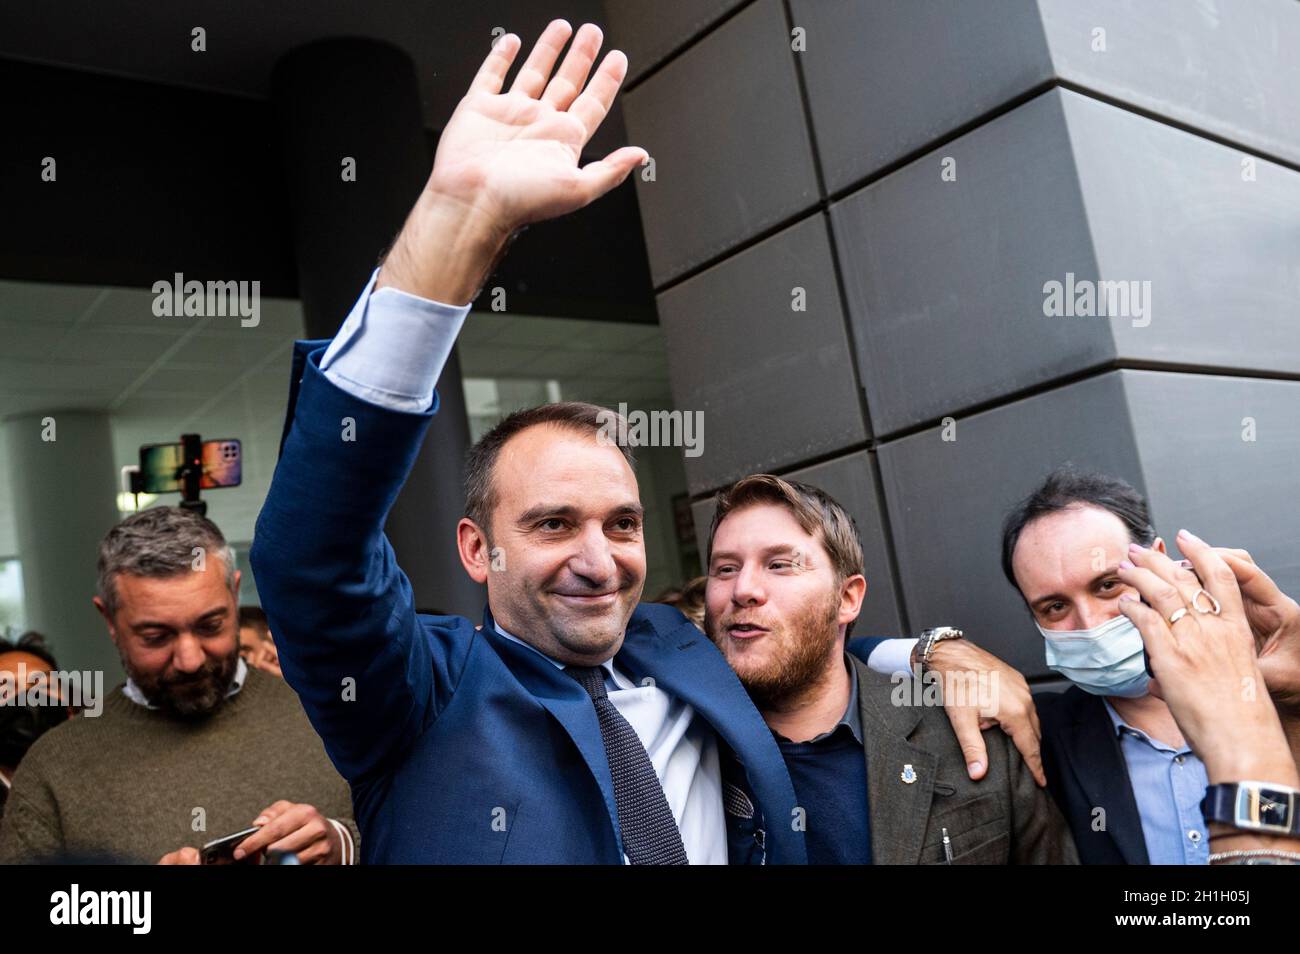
pixel 574 725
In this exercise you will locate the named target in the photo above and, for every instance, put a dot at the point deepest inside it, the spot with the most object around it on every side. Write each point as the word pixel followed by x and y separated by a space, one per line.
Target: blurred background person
pixel 689 599
pixel 256 645
pixel 196 744
pixel 26 661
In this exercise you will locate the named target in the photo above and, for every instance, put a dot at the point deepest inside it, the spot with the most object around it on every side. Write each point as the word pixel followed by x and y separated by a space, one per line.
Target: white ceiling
pixel 78 347
pixel 82 347
pixel 65 347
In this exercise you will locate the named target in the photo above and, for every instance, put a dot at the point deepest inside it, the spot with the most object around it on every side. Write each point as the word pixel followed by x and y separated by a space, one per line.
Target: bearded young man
pixel 196 744
pixel 875 781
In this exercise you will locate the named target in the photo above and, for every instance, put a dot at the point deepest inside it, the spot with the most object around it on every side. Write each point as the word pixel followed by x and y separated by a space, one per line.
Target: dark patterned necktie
pixel 650 835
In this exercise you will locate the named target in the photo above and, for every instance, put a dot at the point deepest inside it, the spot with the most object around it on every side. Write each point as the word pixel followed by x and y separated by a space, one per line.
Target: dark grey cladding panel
pixel 648 32
pixel 947 500
pixel 725 126
pixel 945 279
pixel 1207 238
pixel 1231 69
pixel 850 481
pixel 1204 471
pixel 888 77
pixel 776 385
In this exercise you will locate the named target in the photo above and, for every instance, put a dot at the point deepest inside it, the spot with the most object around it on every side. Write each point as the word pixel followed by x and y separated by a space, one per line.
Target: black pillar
pixel 359 99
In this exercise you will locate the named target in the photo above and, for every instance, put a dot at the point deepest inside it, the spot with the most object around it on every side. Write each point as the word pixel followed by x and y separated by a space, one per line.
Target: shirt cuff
pixel 893 656
pixel 391 349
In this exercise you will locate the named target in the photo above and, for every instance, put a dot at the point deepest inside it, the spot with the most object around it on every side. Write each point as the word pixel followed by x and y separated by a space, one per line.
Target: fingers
pixel 966 726
pixel 1156 634
pixel 492 74
pixel 572 75
pixel 181 856
pixel 1162 595
pixel 592 106
pixel 304 840
pixel 1216 576
pixel 1181 578
pixel 1255 584
pixel 597 178
pixel 279 821
pixel 274 810
pixel 1242 555
pixel 1026 741
pixel 537 68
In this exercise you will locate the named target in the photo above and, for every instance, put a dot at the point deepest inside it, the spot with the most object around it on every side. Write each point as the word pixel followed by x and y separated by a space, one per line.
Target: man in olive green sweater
pixel 196 745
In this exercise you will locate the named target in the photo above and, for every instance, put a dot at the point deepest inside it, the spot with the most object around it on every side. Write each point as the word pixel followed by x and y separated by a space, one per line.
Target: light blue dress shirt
pixel 391 349
pixel 1168 785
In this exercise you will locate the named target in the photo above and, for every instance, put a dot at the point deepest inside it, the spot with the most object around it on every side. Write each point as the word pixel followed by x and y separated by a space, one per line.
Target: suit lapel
pixel 1104 778
pixel 564 699
pixel 899 810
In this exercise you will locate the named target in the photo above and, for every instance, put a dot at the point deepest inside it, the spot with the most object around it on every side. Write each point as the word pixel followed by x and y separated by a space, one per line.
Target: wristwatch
pixel 1254 806
pixel 928 640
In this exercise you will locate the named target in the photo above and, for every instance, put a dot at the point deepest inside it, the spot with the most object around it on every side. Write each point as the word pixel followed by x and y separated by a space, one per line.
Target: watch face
pixel 1266 808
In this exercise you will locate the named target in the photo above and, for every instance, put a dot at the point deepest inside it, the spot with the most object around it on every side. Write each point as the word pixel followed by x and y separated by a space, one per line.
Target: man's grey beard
pixel 194 696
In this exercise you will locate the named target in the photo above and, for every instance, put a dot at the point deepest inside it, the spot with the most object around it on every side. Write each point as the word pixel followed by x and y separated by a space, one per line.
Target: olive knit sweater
pixel 134 783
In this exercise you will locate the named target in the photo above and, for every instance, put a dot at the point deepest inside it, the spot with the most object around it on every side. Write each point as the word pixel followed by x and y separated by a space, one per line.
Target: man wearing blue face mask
pixel 1117 763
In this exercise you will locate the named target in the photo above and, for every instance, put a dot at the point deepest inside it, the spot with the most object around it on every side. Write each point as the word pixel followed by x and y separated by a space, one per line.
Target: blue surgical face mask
pixel 1106 660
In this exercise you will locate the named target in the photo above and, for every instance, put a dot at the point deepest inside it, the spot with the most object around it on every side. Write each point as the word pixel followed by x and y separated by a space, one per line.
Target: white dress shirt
pixel 684 753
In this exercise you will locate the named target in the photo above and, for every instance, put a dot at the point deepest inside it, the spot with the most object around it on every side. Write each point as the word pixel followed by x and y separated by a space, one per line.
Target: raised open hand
pixel 1274 620
pixel 514 155
pixel 506 159
pixel 1202 652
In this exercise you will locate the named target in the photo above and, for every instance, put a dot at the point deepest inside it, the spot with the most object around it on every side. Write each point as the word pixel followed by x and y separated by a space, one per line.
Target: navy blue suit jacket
pixel 460 745
pixel 1086 771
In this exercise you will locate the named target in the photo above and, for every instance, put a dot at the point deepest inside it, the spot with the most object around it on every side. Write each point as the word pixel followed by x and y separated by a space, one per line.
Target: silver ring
pixel 1213 608
pixel 1177 614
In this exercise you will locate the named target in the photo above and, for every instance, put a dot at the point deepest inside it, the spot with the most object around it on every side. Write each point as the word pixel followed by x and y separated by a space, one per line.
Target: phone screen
pixel 160 465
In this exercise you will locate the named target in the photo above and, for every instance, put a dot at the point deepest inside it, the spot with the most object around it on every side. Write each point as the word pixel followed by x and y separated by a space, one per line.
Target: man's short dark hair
pixel 480 490
pixel 32 643
pixel 1067 487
